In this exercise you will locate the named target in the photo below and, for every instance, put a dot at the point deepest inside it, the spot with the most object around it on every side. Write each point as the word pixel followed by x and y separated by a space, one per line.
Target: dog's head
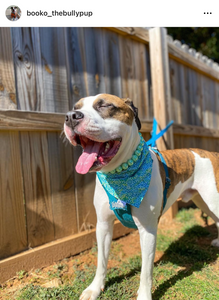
pixel 100 124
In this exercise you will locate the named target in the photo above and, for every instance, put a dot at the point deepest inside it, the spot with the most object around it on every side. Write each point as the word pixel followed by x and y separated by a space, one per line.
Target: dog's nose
pixel 72 117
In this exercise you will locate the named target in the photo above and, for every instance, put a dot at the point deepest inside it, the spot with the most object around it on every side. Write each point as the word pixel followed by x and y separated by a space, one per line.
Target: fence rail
pixel 45 205
pixel 30 121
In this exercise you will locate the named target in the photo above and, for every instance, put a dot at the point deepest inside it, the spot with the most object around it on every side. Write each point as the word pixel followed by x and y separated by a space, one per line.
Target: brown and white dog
pixel 105 126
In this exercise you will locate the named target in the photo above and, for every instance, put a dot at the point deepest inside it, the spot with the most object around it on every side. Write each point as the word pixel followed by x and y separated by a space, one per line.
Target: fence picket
pixel 62 186
pixel 37 192
pixel 12 211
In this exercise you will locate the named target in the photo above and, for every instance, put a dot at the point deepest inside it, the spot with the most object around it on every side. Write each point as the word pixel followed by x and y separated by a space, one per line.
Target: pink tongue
pixel 88 157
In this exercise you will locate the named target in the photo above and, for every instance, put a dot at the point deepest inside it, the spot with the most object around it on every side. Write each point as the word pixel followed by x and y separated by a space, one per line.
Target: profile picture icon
pixel 13 13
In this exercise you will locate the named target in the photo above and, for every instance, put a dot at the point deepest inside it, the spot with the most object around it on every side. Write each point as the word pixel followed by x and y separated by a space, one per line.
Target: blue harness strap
pixel 152 144
pixel 167 180
pixel 155 136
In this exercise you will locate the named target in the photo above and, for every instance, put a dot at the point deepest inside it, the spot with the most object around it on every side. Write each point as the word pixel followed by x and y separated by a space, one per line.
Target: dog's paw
pixel 89 294
pixel 215 243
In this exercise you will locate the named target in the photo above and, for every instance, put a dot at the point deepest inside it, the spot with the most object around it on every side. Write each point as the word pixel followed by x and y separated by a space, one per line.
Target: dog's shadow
pixel 191 252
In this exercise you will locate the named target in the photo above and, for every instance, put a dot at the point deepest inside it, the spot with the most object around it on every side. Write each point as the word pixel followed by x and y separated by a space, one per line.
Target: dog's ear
pixel 135 111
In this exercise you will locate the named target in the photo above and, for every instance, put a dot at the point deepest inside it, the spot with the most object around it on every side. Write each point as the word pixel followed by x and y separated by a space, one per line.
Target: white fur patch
pixel 204 182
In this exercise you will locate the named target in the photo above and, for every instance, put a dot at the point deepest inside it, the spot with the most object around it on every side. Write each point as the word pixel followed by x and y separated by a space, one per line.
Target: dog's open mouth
pixel 96 154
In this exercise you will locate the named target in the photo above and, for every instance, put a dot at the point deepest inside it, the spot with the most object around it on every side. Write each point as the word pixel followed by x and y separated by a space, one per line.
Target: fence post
pixel 162 102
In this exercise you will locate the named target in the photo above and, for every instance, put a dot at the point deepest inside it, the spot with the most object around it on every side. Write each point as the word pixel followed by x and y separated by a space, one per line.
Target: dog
pixel 106 127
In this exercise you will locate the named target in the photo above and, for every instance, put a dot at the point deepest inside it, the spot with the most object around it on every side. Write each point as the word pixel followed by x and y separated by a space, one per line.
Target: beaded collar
pixel 133 159
pixel 129 182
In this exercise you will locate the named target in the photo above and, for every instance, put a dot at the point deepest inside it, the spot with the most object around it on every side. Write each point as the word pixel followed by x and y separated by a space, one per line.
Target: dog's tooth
pixel 106 149
pixel 95 158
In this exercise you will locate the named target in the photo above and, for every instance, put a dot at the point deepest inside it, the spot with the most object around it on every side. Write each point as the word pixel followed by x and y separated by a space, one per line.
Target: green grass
pixel 186 269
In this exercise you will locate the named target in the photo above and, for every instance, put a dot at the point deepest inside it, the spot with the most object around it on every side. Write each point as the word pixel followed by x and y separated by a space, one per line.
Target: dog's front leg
pixel 104 233
pixel 148 245
pixel 146 220
pixel 104 237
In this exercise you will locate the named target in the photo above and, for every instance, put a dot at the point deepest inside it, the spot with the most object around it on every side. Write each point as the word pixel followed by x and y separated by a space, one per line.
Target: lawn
pixel 186 267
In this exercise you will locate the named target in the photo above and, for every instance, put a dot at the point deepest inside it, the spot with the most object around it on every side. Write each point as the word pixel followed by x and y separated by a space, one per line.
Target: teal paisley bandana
pixel 128 184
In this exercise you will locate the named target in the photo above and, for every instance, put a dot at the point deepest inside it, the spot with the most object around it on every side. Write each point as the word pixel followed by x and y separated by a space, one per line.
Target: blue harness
pixel 121 189
pixel 153 147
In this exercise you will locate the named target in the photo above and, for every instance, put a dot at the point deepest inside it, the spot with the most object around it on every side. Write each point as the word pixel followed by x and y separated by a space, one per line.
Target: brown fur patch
pixel 79 104
pixel 180 163
pixel 214 157
pixel 109 106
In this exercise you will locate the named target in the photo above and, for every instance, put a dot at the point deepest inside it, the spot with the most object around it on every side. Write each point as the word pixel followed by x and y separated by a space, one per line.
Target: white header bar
pixel 111 13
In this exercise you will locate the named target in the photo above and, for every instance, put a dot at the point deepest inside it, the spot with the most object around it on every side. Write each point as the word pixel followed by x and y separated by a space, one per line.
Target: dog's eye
pixel 106 105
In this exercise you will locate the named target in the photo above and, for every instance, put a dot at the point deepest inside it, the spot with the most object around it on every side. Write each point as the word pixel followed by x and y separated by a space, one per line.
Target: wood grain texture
pixel 7 77
pixel 37 190
pixel 134 75
pixel 175 91
pixel 40 65
pixel 28 68
pixel 188 112
pixel 183 95
pixel 195 104
pixel 13 237
pixel 191 95
pixel 101 80
pixel 192 130
pixel 136 33
pixel 76 66
pixel 93 53
pixel 161 84
pixel 127 67
pixel 213 107
pixel 91 61
pixel 197 99
pixel 210 144
pixel 188 60
pixel 141 81
pixel 197 94
pixel 205 101
pixel 53 67
pixel 112 63
pixel 62 186
pixel 30 121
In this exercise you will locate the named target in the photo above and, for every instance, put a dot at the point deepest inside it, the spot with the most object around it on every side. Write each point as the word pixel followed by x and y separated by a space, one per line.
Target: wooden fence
pixel 46 207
